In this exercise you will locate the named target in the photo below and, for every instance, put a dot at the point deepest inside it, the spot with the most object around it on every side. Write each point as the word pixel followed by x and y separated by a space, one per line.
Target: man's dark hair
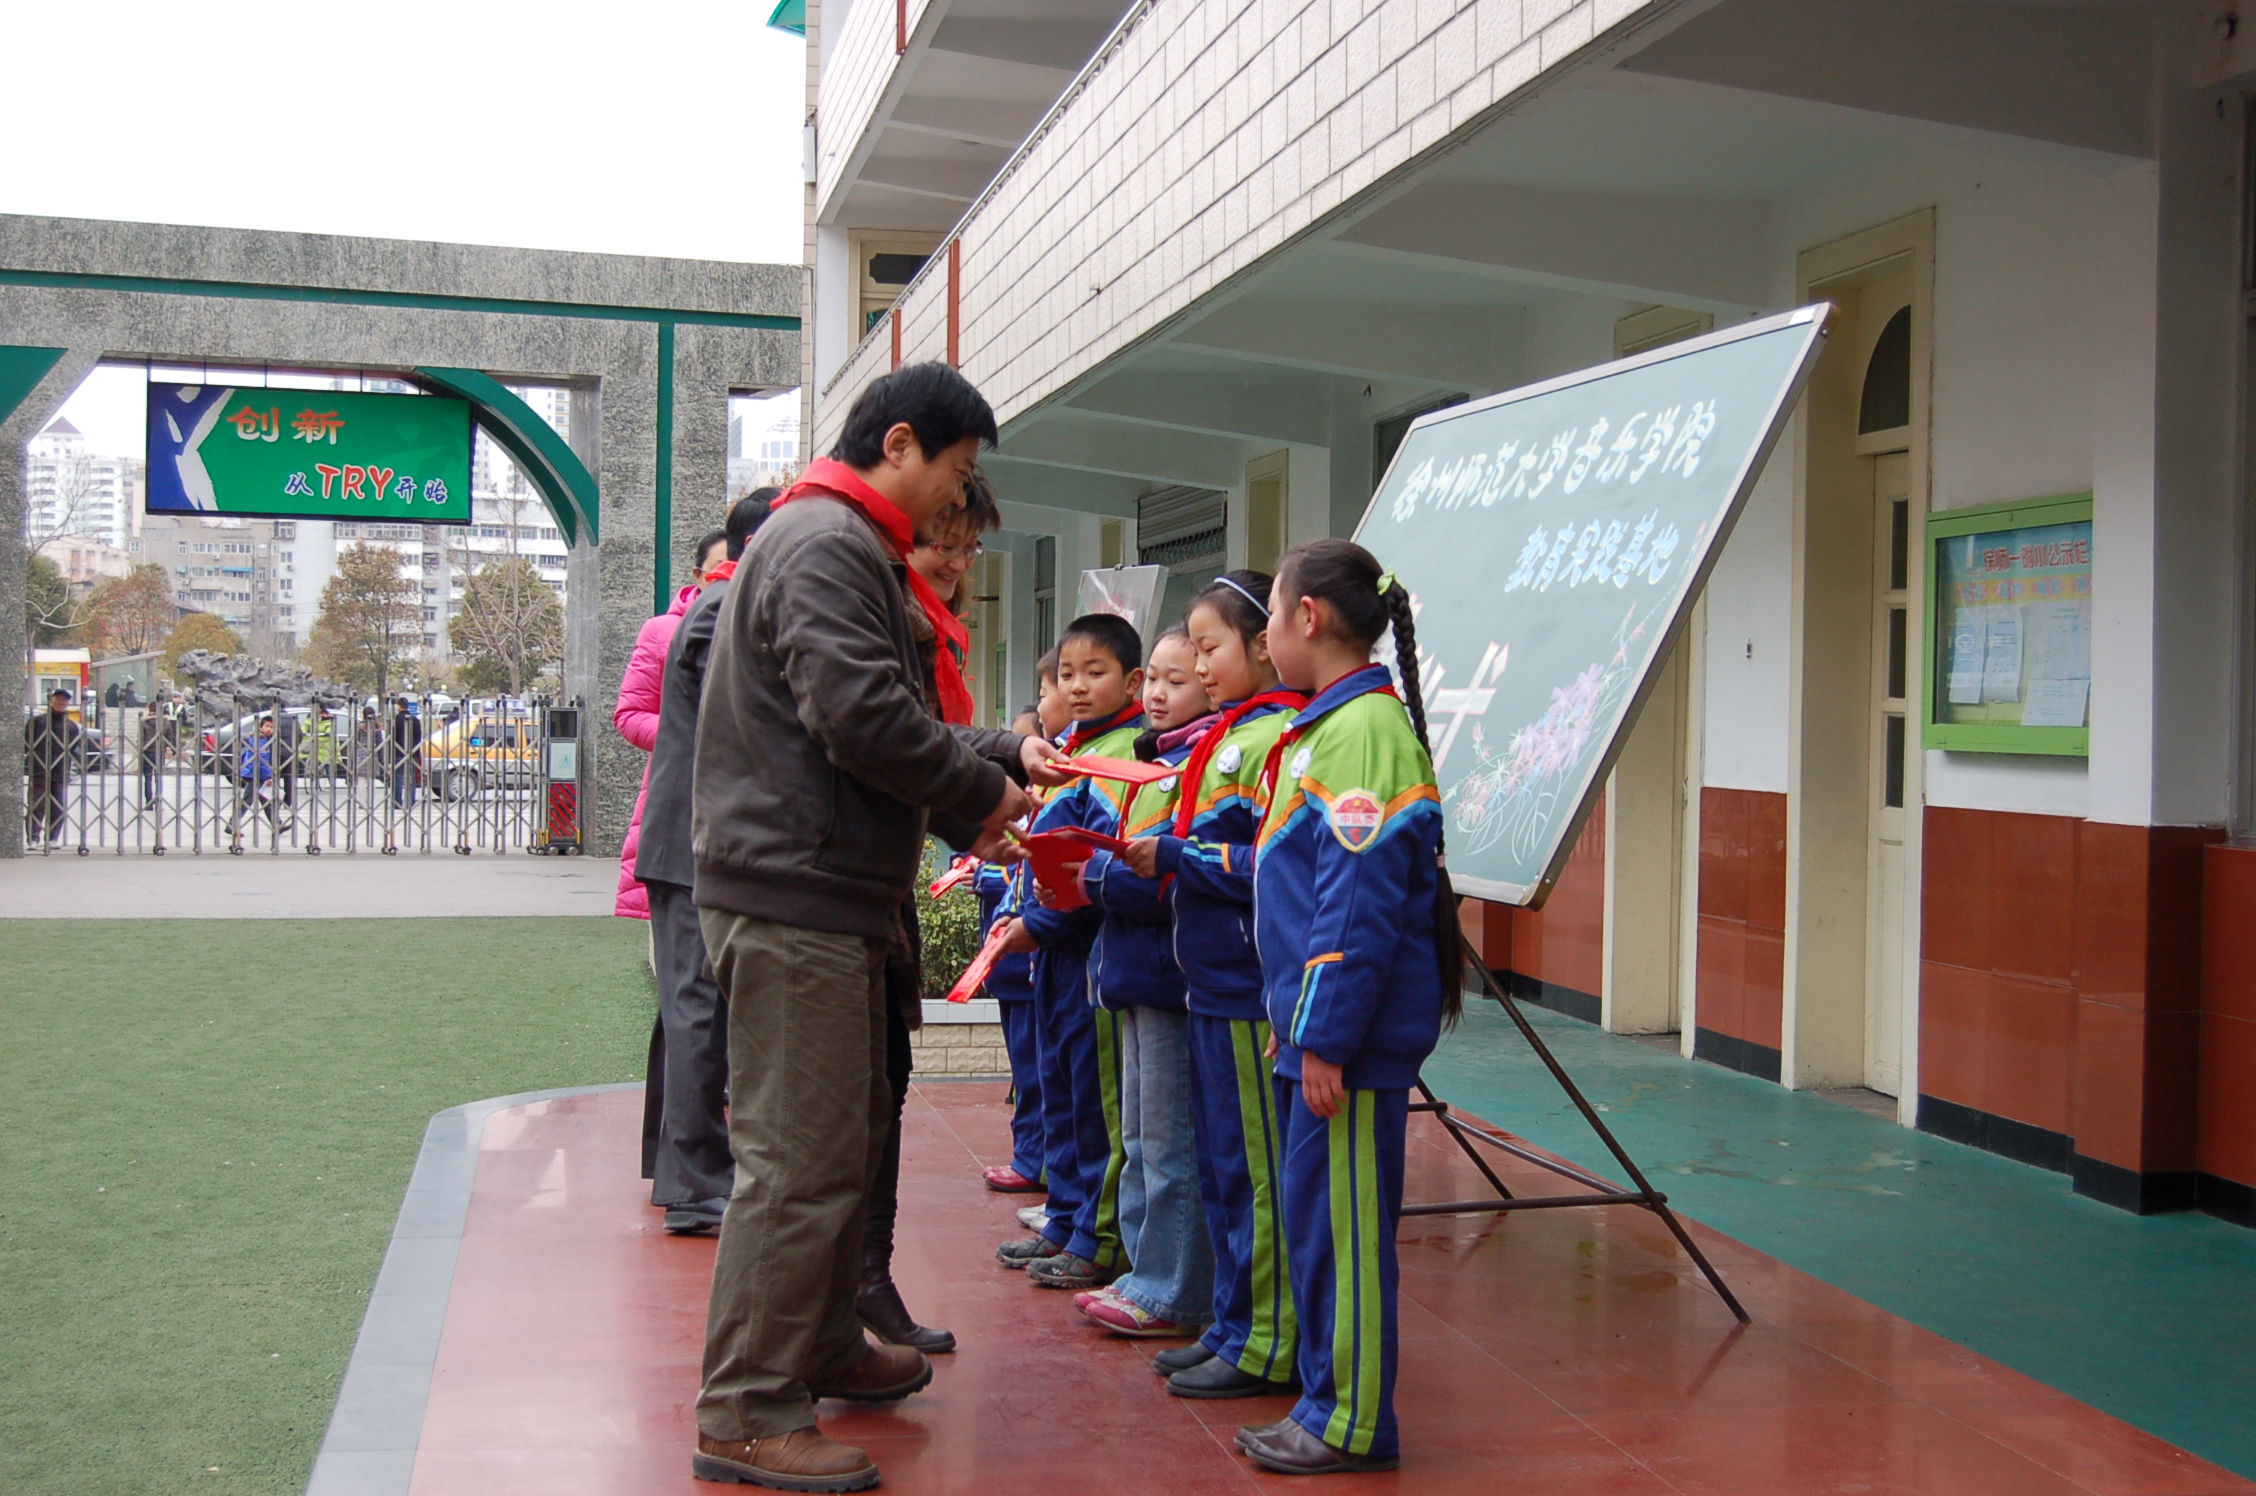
pixel 705 543
pixel 747 515
pixel 938 403
pixel 1111 633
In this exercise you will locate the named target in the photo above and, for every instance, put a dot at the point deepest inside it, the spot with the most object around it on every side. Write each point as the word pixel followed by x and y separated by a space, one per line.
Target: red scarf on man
pixel 832 478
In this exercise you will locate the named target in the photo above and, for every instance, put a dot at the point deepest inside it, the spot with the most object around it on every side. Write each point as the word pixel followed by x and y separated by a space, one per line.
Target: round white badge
pixel 1167 785
pixel 1229 759
pixel 1300 763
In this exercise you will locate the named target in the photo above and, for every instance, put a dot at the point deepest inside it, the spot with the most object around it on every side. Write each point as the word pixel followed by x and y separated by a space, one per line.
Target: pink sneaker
pixel 1136 1322
pixel 1104 1295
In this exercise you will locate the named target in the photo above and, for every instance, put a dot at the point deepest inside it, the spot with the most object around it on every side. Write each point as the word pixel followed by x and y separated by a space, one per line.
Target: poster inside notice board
pixel 2011 587
pixel 1553 538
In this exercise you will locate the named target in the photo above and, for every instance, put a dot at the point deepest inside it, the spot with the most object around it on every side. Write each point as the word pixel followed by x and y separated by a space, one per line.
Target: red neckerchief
pixel 1265 790
pixel 1081 732
pixel 722 572
pixel 1194 769
pixel 830 478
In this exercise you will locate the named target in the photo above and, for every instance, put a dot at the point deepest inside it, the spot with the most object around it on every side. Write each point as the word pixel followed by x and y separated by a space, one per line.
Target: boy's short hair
pixel 1111 633
pixel 747 515
pixel 935 400
pixel 1045 668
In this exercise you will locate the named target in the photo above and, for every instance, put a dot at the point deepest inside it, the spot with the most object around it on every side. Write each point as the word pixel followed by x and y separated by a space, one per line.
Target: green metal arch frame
pixel 556 470
pixel 21 369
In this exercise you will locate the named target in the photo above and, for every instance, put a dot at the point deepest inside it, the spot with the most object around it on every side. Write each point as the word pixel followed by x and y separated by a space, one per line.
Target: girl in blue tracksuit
pixel 1361 967
pixel 1011 984
pixel 1206 856
pixel 1132 971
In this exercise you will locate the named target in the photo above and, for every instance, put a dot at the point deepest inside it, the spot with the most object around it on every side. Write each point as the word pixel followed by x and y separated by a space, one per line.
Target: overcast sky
pixel 661 130
pixel 668 129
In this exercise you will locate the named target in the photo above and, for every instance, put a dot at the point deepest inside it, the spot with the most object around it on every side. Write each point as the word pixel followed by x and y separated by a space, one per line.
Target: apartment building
pixel 1210 257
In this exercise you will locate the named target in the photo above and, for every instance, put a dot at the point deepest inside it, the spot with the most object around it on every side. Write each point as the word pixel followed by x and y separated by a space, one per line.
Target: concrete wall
pixel 590 321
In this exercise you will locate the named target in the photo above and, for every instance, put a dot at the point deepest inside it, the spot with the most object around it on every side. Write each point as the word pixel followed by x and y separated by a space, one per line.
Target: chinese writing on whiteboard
pixel 1671 439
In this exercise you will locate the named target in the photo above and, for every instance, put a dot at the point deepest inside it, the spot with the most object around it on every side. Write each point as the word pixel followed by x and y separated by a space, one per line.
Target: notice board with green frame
pixel 2009 591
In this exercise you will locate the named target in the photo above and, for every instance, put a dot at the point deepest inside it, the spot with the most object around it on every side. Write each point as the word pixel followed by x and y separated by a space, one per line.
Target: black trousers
pixel 885 1191
pixel 685 1145
pixel 43 807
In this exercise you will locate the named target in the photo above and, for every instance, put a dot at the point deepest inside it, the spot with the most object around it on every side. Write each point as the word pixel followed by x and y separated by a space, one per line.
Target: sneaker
pixel 1015 1255
pixel 1082 1301
pixel 1132 1320
pixel 1064 1270
pixel 1005 1180
pixel 1033 1217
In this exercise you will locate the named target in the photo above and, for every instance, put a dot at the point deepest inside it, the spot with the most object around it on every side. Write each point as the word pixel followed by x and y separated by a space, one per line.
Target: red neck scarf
pixel 1266 789
pixel 721 573
pixel 1082 732
pixel 1194 769
pixel 833 479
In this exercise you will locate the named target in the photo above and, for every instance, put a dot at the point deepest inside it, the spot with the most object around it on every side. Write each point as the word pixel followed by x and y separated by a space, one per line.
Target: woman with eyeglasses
pixel 942 561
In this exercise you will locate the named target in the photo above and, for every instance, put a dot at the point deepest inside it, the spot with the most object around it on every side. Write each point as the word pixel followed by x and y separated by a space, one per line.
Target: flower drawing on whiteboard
pixel 1512 796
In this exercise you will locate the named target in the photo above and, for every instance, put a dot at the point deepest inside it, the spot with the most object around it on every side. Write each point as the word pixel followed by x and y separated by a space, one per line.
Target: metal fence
pixel 179 777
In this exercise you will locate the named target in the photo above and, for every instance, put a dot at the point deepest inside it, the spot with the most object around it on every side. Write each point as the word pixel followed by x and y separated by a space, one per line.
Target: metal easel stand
pixel 1603 1192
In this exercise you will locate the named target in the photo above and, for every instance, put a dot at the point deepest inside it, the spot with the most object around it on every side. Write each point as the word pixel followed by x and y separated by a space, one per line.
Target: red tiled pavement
pixel 1552 1351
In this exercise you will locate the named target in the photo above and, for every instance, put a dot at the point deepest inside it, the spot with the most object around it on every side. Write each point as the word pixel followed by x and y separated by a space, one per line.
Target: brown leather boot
pixel 887 1374
pixel 806 1459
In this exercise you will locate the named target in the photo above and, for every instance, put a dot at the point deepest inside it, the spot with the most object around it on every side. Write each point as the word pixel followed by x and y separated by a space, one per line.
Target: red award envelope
pixel 981 964
pixel 1055 855
pixel 1119 770
pixel 959 872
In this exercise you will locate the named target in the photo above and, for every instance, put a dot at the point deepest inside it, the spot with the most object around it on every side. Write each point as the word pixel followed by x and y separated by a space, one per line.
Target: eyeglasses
pixel 971 551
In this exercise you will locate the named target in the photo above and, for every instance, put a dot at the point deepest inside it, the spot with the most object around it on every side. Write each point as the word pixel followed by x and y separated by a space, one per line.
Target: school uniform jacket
pixel 1210 891
pixel 1133 964
pixel 1344 873
pixel 1093 805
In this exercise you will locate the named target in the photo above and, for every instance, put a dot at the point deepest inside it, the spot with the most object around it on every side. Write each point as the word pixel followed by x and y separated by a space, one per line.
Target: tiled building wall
pixel 2226 1153
pixel 1554 955
pixel 856 73
pixel 2060 996
pixel 1742 941
pixel 1213 133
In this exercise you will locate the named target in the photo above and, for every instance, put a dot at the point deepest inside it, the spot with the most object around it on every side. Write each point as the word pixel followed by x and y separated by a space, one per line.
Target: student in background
pixel 1100 660
pixel 1011 983
pixel 1169 1291
pixel 1207 854
pixel 1362 966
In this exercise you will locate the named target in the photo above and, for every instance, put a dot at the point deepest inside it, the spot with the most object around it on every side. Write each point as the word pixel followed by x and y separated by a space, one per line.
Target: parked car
pixel 216 746
pixel 481 751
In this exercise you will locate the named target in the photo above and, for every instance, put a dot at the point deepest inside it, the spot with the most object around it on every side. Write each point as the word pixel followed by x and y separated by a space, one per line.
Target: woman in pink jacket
pixel 637 713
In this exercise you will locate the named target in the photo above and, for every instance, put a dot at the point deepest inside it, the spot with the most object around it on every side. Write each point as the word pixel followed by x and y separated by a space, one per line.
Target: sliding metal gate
pixel 180 777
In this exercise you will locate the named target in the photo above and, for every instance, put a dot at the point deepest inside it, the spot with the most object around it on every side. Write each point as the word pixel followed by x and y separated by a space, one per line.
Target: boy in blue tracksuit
pixel 1132 973
pixel 1100 673
pixel 1011 983
pixel 1360 968
pixel 1206 857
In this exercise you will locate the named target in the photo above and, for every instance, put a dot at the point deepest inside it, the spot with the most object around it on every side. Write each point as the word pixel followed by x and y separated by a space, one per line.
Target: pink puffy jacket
pixel 637 721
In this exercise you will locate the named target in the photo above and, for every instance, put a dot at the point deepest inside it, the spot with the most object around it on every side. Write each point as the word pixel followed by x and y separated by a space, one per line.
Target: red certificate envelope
pixel 1112 844
pixel 1119 770
pixel 959 872
pixel 981 964
pixel 1055 855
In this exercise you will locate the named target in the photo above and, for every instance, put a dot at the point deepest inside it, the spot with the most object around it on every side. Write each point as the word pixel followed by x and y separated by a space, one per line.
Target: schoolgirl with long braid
pixel 1361 968
pixel 1206 857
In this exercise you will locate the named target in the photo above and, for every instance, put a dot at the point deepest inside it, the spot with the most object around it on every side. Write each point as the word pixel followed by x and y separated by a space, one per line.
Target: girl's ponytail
pixel 1449 936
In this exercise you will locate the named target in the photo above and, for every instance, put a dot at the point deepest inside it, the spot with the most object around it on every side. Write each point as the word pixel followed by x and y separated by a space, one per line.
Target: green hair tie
pixel 1387 583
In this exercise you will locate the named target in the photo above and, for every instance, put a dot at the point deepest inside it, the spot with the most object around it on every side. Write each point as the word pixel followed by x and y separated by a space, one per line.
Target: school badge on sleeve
pixel 1356 818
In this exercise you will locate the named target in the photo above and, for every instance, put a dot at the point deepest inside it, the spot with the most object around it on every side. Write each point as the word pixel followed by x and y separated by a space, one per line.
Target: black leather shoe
pixel 1289 1449
pixel 885 1316
pixel 1181 1358
pixel 1217 1378
pixel 1259 1431
pixel 695 1218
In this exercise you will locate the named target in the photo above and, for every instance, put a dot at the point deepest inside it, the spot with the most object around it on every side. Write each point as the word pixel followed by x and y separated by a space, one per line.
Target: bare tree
pixel 510 627
pixel 130 615
pixel 77 484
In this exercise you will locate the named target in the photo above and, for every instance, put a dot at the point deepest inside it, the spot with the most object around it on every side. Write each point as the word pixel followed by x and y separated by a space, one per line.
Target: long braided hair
pixel 1346 576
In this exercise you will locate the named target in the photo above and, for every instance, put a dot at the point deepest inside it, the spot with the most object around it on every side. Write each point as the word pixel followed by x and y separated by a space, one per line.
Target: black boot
pixel 885 1316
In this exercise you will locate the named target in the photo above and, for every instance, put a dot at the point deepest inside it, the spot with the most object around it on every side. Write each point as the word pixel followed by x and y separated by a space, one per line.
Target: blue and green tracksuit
pixel 1233 1095
pixel 1133 971
pixel 1080 1049
pixel 1011 984
pixel 1344 875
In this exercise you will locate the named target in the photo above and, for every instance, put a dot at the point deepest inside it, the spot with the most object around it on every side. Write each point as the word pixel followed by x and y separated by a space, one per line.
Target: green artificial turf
pixel 206 1128
pixel 2150 1319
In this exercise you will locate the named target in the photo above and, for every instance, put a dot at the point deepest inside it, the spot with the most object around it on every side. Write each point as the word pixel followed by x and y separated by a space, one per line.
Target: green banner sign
pixel 308 454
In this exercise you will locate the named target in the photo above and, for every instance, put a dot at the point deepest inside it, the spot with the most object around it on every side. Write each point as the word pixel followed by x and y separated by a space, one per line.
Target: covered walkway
pixel 535 1331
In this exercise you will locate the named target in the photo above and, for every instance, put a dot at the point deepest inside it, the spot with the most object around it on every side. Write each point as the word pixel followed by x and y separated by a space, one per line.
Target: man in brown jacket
pixel 820 765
